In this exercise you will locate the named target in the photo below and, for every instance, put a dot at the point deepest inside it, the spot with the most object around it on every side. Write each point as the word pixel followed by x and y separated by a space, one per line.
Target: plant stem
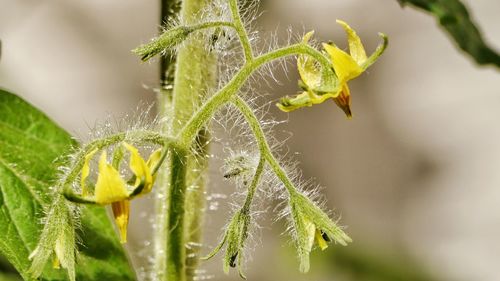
pixel 195 201
pixel 264 148
pixel 194 76
pixel 240 29
pixel 140 136
pixel 198 120
pixel 253 186
pixel 212 24
pixel 168 11
pixel 176 253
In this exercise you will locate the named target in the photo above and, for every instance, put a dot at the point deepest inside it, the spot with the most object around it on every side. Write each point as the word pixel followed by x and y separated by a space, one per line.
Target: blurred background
pixel 414 175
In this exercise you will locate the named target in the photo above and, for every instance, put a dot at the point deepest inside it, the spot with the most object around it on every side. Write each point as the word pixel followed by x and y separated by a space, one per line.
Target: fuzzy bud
pixel 58 240
pixel 234 237
pixel 169 39
pixel 311 225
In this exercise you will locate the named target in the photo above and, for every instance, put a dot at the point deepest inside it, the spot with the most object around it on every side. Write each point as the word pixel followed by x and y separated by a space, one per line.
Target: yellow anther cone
pixel 121 212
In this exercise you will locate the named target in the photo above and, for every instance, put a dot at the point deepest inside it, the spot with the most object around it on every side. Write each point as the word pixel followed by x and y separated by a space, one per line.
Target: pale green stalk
pixel 264 148
pixel 194 76
pixel 168 11
pixel 240 29
pixel 198 120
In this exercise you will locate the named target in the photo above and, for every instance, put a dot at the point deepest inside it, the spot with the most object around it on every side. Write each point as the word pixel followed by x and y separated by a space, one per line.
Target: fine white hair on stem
pixel 141 118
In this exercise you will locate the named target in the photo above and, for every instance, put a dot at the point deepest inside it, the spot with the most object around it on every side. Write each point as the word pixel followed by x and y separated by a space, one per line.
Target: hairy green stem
pixel 133 136
pixel 175 251
pixel 253 186
pixel 212 24
pixel 264 148
pixel 240 29
pixel 204 114
pixel 195 200
pixel 194 76
pixel 168 11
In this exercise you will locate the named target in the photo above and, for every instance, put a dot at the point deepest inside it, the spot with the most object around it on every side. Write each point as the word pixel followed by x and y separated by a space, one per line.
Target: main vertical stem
pixel 168 12
pixel 183 209
pixel 176 251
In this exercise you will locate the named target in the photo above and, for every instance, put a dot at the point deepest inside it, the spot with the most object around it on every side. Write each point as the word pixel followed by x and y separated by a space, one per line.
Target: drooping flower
pixel 234 237
pixel 319 84
pixel 310 224
pixel 111 188
pixel 317 89
pixel 57 240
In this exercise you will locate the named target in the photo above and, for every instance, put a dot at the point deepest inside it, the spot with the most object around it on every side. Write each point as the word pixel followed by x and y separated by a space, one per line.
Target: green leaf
pixel 9 277
pixel 455 19
pixel 7 271
pixel 31 146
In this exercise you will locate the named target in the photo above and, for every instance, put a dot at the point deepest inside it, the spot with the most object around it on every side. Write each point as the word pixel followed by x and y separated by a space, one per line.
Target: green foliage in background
pixel 30 147
pixel 456 20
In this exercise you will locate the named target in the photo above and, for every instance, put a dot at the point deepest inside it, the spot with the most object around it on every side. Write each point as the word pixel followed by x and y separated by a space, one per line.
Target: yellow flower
pixel 318 85
pixel 347 67
pixel 111 188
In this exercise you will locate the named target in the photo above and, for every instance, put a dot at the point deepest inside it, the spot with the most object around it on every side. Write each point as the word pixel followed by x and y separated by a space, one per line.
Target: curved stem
pixel 135 136
pixel 264 148
pixel 189 131
pixel 240 29
pixel 253 186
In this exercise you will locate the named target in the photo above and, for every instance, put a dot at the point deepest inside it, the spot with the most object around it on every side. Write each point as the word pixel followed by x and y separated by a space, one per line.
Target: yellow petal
pixel 86 172
pixel 311 229
pixel 153 160
pixel 140 169
pixel 321 241
pixel 308 70
pixel 314 77
pixel 344 101
pixel 307 36
pixel 121 212
pixel 56 264
pixel 355 46
pixel 317 99
pixel 344 65
pixel 59 257
pixel 378 52
pixel 110 187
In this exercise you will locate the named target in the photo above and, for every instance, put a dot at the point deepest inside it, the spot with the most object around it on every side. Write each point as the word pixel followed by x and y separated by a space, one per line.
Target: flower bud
pixel 311 224
pixel 169 39
pixel 234 239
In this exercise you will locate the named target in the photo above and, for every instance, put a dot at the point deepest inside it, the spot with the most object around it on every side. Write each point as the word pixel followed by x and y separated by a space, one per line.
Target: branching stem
pixel 253 186
pixel 132 136
pixel 264 148
pixel 205 113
